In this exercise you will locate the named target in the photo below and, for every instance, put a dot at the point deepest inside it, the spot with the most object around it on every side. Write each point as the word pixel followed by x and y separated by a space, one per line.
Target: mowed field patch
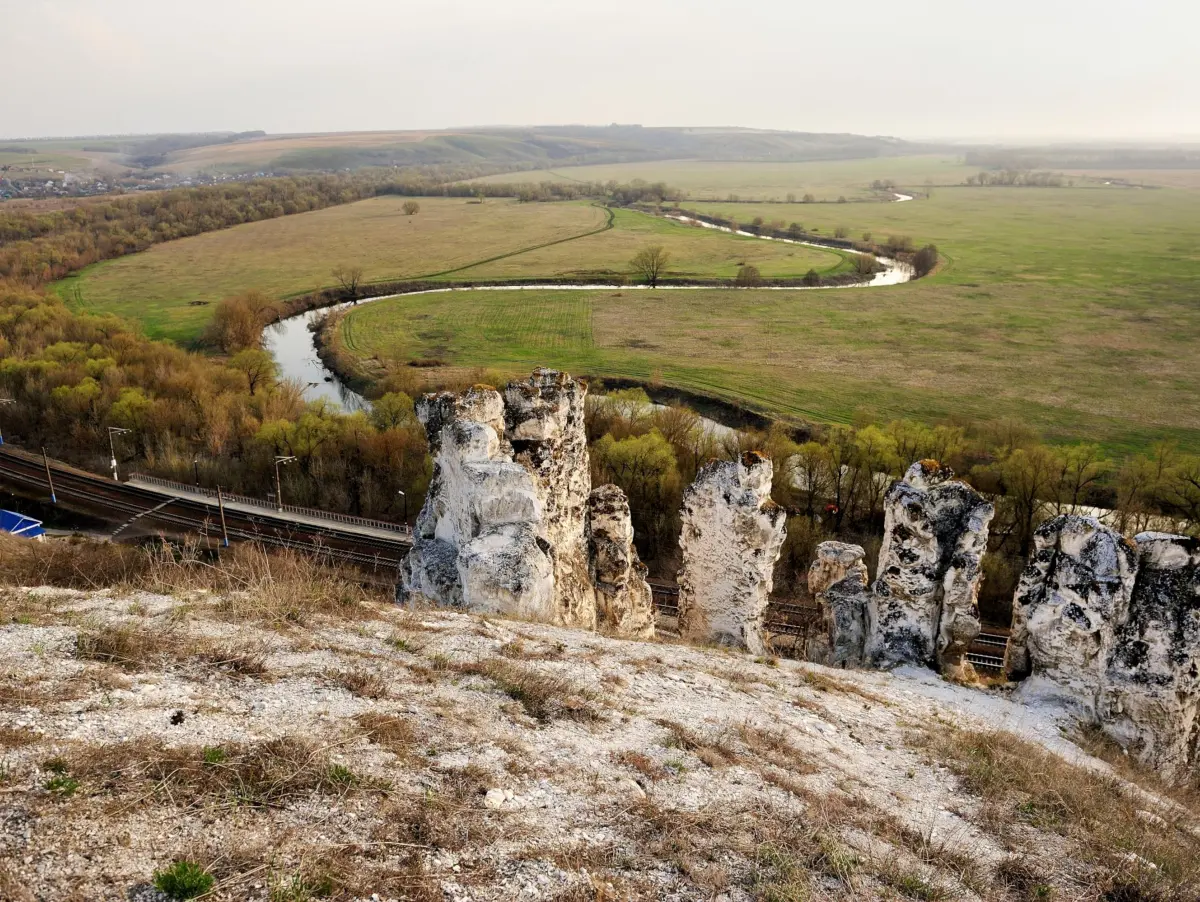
pixel 826 180
pixel 171 287
pixel 695 253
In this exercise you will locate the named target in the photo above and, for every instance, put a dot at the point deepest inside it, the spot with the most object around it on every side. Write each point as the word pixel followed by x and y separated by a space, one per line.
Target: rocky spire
pixel 1151 700
pixel 924 604
pixel 624 604
pixel 731 538
pixel 1072 594
pixel 838 580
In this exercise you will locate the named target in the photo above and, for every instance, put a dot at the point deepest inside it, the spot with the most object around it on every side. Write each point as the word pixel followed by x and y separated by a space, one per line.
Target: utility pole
pixel 221 508
pixel 112 448
pixel 4 401
pixel 49 478
pixel 280 459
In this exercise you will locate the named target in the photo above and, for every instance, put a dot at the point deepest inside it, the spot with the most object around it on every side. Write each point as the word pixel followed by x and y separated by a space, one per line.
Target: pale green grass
pixel 695 253
pixel 1073 309
pixel 764 181
pixel 170 288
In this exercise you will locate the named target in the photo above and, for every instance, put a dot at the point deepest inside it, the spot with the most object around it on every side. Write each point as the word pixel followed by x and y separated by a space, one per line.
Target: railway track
pixel 182 514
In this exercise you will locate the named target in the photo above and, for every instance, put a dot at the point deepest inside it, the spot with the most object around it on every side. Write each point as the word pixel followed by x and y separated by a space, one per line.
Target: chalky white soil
pixel 521 807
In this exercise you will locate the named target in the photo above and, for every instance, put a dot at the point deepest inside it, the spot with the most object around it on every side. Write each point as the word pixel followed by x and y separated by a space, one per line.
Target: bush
pixel 812 277
pixel 748 277
pixel 183 880
pixel 926 260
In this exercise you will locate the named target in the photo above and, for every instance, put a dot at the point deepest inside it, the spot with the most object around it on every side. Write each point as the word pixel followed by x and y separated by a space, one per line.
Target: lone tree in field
pixel 748 277
pixel 925 260
pixel 411 207
pixel 348 277
pixel 651 264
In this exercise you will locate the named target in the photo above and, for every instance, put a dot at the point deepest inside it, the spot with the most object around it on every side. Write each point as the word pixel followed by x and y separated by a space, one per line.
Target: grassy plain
pixel 169 288
pixel 1073 309
pixel 695 252
pixel 764 181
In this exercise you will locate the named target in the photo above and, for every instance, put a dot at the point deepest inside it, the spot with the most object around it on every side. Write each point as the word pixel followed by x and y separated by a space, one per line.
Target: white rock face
pixel 506 526
pixel 476 541
pixel 924 604
pixel 732 536
pixel 838 579
pixel 624 604
pixel 544 420
pixel 1152 693
pixel 1073 593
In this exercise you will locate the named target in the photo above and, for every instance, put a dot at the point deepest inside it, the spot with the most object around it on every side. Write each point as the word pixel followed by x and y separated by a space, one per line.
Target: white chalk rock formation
pixel 838 579
pixel 1073 593
pixel 1152 696
pixel 924 605
pixel 731 538
pixel 507 525
pixel 544 420
pixel 624 604
pixel 476 542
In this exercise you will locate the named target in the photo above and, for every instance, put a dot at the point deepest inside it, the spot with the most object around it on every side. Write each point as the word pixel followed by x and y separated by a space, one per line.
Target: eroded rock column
pixel 1152 692
pixel 1073 593
pixel 544 416
pixel 731 538
pixel 476 542
pixel 624 603
pixel 924 605
pixel 838 579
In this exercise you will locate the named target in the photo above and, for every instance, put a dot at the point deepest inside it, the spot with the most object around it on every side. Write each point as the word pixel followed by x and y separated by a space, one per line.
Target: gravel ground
pixel 446 756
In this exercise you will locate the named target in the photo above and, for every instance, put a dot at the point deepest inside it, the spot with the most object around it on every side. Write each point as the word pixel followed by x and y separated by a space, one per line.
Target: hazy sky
pixel 918 68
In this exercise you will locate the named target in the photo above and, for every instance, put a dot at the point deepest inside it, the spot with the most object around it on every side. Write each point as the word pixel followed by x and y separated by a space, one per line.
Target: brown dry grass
pixel 360 682
pixel 1130 856
pixel 544 695
pixel 133 646
pixel 264 774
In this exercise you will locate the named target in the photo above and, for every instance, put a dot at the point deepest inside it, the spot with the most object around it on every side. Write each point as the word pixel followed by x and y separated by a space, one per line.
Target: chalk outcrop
pixel 1152 693
pixel 507 525
pixel 1072 595
pixel 838 579
pixel 624 604
pixel 924 604
pixel 476 543
pixel 731 538
pixel 544 420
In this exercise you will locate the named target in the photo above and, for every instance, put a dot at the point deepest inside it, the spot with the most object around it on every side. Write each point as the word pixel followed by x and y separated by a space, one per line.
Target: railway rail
pixel 180 511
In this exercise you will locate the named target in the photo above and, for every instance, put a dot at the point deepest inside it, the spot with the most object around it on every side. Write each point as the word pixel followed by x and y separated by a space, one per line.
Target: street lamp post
pixel 112 448
pixel 405 497
pixel 280 459
pixel 4 401
pixel 196 470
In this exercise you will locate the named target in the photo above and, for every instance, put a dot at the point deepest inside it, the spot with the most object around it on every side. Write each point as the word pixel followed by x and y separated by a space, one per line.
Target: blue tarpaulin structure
pixel 20 525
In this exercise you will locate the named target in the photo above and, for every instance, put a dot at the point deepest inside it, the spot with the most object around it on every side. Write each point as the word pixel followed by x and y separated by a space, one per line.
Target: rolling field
pixel 763 181
pixel 1075 310
pixel 171 287
pixel 695 252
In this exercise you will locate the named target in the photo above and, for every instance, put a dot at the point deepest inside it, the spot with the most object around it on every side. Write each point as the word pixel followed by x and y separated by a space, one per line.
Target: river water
pixel 290 341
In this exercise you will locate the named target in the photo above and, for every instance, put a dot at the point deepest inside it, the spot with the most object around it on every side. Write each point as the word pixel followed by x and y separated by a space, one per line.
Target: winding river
pixel 290 341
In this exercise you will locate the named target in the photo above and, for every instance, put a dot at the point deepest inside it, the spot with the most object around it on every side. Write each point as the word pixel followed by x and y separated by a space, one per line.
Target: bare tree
pixel 349 278
pixel 748 276
pixel 651 264
pixel 411 207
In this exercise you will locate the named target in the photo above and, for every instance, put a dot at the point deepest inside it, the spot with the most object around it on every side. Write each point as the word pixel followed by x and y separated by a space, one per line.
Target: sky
pixel 1021 69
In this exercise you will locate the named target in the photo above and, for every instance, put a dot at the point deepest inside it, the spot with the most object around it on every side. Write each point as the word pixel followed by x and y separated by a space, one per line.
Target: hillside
pixel 332 750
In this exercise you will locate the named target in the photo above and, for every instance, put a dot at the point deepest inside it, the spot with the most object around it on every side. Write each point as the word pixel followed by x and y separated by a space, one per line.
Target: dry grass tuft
pixel 1132 857
pixel 775 748
pixel 714 750
pixel 135 647
pixel 392 733
pixel 642 763
pixel 16 737
pixel 544 696
pixel 363 683
pixel 264 774
pixel 825 683
pixel 71 564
